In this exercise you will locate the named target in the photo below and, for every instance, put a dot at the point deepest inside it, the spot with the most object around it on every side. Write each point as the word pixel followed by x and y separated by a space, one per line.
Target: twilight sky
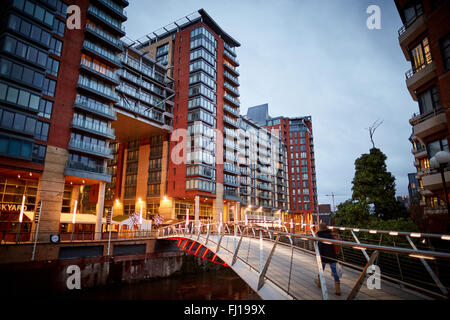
pixel 318 58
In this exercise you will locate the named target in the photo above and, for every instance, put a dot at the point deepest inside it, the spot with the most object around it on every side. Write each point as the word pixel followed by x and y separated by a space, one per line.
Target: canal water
pixel 223 284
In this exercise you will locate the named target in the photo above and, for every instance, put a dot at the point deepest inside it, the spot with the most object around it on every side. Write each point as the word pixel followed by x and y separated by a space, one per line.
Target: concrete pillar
pixel 75 196
pixel 237 212
pixel 164 168
pixel 219 208
pixel 197 210
pixel 100 209
pixel 142 179
pixel 50 191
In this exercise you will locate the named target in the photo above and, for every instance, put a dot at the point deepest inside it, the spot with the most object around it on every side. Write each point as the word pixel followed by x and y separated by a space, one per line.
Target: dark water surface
pixel 206 285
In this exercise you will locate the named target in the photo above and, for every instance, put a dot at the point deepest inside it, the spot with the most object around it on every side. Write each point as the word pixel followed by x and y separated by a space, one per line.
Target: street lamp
pixel 440 161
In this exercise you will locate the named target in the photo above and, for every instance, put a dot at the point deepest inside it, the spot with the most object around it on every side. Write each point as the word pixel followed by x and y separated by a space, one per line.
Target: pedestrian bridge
pixel 279 265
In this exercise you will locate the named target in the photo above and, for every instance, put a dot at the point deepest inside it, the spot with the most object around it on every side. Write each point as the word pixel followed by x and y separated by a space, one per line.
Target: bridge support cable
pixel 320 268
pixel 362 276
pixel 266 266
pixel 427 267
pixel 357 240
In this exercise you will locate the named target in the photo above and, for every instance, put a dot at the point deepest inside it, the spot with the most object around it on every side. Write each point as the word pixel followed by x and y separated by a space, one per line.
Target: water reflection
pixel 212 285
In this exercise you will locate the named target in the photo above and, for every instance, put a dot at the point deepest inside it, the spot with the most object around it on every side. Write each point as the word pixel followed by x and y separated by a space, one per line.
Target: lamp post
pixel 440 161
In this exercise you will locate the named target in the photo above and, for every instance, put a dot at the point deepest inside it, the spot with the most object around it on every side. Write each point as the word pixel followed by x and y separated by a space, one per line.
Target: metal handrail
pixel 271 234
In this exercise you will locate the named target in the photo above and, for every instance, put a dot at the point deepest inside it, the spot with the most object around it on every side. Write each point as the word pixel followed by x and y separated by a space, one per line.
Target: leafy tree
pixel 373 184
pixel 352 214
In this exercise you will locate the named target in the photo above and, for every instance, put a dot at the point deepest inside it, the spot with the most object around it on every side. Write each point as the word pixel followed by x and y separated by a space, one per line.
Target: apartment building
pixel 203 167
pixel 296 134
pixel 424 40
pixel 57 95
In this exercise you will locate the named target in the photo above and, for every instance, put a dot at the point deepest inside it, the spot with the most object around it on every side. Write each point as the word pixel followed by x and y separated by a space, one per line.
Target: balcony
pixel 100 53
pixel 234 71
pixel 418 76
pixel 433 181
pixel 233 100
pixel 231 89
pixel 440 210
pixel 93 149
pixel 231 195
pixel 98 15
pixel 104 74
pixel 231 78
pixel 231 110
pixel 410 31
pixel 98 109
pixel 111 41
pixel 111 96
pixel 114 9
pixel 263 178
pixel 264 187
pixel 429 123
pixel 90 127
pixel 230 57
pixel 230 168
pixel 82 170
pixel 230 121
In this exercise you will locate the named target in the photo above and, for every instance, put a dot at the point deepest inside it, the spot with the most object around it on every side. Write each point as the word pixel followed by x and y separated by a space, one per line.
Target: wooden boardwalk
pixel 300 285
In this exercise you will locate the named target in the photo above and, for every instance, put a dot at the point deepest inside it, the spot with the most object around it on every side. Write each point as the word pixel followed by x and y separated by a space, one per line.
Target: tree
pixel 373 184
pixel 352 214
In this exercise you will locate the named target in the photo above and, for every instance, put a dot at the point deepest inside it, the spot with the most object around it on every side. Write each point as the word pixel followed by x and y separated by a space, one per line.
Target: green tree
pixel 352 214
pixel 373 184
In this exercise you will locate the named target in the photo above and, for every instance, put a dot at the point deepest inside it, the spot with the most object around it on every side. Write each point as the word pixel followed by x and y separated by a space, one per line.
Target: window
pixel 445 50
pixel 49 87
pixel 45 108
pixel 420 55
pixel 436 146
pixel 21 73
pixel 17 121
pixel 58 27
pixel 429 100
pixel 41 132
pixel 412 13
pixel 15 148
pixel 52 66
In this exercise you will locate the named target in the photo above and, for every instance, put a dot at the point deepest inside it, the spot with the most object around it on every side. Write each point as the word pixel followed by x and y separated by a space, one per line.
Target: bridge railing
pixel 418 266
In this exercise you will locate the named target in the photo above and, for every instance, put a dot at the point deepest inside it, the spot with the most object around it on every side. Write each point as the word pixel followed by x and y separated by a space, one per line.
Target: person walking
pixel 328 256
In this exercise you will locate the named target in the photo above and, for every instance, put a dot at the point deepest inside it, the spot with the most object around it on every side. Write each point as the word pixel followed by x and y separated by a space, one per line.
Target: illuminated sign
pixel 11 207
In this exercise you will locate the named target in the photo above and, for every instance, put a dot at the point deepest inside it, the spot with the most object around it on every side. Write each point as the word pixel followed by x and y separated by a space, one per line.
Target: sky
pixel 315 58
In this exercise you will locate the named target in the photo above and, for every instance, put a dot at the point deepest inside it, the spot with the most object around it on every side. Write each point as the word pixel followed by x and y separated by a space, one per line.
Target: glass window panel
pixel 26 150
pixel 14 147
pixel 34 102
pixel 3 89
pixel 30 125
pixel 19 122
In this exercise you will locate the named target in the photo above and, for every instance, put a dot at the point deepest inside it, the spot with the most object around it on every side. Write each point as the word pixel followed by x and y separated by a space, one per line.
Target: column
pixel 100 209
pixel 197 210
pixel 50 191
pixel 219 202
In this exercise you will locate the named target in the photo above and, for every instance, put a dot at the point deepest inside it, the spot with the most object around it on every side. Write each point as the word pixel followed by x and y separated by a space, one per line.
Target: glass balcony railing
pixel 98 70
pixel 96 128
pixel 95 106
pixel 114 6
pixel 231 57
pixel 232 99
pixel 230 121
pixel 102 52
pixel 234 70
pixel 85 167
pixel 230 77
pixel 106 18
pixel 104 35
pixel 90 147
pixel 229 87
pixel 231 109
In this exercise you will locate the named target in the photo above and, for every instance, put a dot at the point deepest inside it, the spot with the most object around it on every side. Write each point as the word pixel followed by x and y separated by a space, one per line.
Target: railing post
pixel 357 240
pixel 319 266
pixel 236 251
pixel 362 276
pixel 432 274
pixel 260 251
pixel 266 266
pixel 207 234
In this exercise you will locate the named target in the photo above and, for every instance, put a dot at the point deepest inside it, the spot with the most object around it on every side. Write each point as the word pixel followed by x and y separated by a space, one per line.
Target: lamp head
pixel 443 157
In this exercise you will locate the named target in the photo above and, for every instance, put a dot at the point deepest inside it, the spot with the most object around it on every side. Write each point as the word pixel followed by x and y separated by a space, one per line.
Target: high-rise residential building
pixel 202 171
pixel 425 41
pixel 91 121
pixel 57 95
pixel 296 133
pixel 263 172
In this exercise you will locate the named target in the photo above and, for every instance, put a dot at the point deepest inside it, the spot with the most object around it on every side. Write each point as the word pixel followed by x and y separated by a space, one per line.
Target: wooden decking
pixel 300 284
